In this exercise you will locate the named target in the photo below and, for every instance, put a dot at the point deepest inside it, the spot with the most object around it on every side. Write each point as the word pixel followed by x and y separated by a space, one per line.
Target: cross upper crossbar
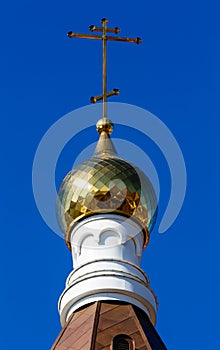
pixel 104 30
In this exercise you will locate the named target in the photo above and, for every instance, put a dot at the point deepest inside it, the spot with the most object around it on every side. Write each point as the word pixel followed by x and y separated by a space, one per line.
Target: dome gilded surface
pixel 106 183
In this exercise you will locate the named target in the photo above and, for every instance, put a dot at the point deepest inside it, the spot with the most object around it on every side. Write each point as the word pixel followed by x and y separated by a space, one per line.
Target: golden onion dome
pixel 106 183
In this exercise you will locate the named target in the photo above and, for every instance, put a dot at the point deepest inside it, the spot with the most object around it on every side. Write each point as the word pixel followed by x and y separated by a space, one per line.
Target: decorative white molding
pixel 106 251
pixel 107 235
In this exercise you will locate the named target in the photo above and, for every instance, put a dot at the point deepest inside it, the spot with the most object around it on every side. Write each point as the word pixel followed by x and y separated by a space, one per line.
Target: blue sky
pixel 174 74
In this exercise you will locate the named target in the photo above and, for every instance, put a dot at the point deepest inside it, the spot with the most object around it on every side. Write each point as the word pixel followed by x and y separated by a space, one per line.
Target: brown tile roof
pixel 94 327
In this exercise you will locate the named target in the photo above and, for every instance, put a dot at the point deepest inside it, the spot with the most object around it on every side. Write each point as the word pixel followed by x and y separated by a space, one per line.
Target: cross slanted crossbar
pixel 104 37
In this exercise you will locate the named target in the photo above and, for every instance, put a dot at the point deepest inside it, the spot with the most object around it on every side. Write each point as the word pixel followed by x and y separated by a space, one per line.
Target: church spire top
pixel 106 208
pixel 106 183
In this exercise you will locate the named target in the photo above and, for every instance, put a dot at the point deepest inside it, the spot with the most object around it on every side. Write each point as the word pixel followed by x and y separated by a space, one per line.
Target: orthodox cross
pixel 104 37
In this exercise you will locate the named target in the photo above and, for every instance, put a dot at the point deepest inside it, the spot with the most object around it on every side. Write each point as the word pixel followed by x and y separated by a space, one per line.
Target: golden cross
pixel 104 37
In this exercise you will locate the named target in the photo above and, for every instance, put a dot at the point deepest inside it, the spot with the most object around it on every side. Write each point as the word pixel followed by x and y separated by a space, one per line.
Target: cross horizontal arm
pixel 99 37
pixel 94 99
pixel 126 40
pixel 84 36
pixel 93 28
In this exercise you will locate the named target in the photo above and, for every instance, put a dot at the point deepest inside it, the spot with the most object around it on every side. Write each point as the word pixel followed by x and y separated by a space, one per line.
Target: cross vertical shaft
pixel 104 67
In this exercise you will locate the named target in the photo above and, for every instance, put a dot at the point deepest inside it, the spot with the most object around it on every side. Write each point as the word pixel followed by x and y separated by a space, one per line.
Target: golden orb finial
pixel 104 125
